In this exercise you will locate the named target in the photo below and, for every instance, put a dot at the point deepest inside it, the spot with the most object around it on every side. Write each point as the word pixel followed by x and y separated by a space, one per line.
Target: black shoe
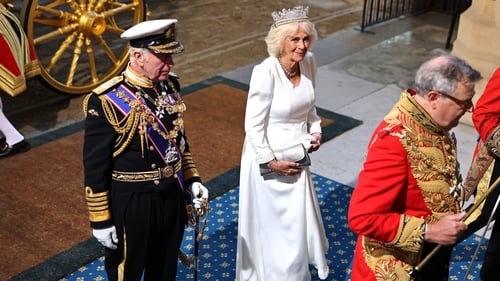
pixel 7 150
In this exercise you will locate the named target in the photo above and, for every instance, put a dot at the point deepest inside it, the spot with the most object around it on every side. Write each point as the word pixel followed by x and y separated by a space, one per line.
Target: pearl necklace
pixel 289 74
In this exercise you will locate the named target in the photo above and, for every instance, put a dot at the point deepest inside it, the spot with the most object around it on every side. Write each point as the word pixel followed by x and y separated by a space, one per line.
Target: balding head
pixel 444 88
pixel 443 72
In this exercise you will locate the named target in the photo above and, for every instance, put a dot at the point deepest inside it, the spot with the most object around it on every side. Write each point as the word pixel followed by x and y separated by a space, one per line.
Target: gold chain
pixel 162 105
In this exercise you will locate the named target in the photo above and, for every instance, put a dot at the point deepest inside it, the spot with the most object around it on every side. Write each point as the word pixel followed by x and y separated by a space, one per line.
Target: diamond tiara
pixel 295 14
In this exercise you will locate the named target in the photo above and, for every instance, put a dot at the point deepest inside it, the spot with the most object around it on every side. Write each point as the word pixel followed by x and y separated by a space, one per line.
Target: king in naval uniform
pixel 138 169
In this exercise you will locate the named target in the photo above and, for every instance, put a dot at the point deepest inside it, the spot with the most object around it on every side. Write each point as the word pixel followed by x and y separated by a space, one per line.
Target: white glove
pixel 106 236
pixel 198 192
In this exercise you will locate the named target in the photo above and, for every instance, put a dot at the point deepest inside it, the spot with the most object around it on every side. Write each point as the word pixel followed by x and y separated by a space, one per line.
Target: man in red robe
pixel 406 199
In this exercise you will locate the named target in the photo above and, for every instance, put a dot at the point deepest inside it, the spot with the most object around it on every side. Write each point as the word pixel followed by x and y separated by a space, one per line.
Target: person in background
pixel 18 62
pixel 483 172
pixel 280 228
pixel 406 200
pixel 138 169
pixel 11 140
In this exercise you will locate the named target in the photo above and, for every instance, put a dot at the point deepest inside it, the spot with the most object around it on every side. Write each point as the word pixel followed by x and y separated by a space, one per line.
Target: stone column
pixel 477 41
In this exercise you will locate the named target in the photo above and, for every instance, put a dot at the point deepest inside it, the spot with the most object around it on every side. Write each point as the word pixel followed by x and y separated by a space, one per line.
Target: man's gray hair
pixel 132 50
pixel 443 72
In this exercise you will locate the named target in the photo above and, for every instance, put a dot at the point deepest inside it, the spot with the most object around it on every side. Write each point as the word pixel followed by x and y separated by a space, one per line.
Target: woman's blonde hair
pixel 276 36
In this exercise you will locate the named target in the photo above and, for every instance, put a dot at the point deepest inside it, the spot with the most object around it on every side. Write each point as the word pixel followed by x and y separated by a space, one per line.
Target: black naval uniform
pixel 128 183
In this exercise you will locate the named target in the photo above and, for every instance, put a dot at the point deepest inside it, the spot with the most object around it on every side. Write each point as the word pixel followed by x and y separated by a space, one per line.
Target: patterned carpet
pixel 218 247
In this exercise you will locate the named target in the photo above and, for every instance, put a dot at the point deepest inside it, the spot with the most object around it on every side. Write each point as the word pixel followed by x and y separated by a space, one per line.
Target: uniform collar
pixel 410 106
pixel 137 79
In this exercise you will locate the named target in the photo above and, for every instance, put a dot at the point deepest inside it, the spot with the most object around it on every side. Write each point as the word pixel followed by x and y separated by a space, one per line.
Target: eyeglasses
pixel 466 105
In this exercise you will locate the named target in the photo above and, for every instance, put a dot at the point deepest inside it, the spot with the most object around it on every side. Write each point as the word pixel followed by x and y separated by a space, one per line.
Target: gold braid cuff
pixel 481 163
pixel 98 205
pixel 388 263
pixel 410 235
pixel 188 167
pixel 482 187
pixel 394 260
pixel 493 142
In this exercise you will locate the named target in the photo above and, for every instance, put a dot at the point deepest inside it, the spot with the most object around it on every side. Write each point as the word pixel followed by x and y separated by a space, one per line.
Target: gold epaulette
pixel 104 87
pixel 85 104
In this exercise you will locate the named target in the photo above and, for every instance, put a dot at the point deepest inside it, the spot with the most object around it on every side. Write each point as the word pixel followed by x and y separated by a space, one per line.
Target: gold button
pixel 153 166
pixel 156 182
pixel 167 172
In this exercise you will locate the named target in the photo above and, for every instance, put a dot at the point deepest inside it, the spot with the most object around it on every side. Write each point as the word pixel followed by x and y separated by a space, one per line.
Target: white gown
pixel 280 229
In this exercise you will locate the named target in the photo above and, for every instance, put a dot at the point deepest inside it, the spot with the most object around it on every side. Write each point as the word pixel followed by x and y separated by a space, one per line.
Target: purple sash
pixel 163 147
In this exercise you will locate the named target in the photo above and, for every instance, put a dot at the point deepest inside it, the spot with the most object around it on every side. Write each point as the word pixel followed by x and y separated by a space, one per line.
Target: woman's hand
pixel 284 168
pixel 315 144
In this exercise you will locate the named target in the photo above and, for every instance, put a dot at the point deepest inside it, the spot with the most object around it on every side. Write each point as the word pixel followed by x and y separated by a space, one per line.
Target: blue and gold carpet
pixel 217 249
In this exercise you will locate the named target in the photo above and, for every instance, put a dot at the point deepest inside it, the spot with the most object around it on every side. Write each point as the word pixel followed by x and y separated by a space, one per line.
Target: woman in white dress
pixel 280 229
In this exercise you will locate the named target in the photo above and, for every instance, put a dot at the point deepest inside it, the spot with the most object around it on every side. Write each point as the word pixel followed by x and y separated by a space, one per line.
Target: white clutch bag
pixel 296 153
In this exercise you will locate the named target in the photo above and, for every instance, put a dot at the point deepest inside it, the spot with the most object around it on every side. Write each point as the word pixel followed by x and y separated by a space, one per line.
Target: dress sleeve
pixel 260 96
pixel 314 121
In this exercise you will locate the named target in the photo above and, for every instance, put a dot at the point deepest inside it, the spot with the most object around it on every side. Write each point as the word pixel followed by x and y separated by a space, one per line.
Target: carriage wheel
pixel 77 42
